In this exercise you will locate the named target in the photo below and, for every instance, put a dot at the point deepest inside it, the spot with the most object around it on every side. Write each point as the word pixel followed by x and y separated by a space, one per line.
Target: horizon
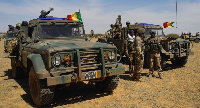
pixel 97 15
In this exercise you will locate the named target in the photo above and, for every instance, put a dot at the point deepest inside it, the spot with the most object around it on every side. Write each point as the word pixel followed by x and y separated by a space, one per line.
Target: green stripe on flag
pixel 79 16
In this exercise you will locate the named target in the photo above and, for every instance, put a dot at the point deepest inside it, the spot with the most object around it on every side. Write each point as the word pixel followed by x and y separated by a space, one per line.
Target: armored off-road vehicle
pixel 174 49
pixel 190 37
pixel 54 51
pixel 10 35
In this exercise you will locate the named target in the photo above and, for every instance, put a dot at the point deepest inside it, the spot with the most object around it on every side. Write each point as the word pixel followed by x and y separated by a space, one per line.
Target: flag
pixel 69 17
pixel 75 17
pixel 168 24
pixel 79 16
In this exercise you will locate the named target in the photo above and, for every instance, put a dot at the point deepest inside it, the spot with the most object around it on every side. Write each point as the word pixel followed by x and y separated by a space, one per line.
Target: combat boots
pixel 150 74
pixel 160 74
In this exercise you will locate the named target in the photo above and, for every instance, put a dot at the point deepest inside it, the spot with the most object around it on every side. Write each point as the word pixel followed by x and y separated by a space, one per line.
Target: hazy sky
pixel 99 14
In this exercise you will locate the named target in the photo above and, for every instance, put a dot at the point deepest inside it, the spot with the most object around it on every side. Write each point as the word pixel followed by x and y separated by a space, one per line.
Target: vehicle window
pixel 159 32
pixel 53 31
pixel 12 35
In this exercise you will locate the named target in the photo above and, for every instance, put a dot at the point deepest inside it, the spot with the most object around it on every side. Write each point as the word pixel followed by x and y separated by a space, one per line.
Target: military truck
pixel 174 49
pixel 55 51
pixel 10 35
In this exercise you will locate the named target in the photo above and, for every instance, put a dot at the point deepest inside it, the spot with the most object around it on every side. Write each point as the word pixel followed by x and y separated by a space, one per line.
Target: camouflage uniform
pixel 11 46
pixel 139 54
pixel 117 28
pixel 154 54
pixel 197 33
pixel 131 50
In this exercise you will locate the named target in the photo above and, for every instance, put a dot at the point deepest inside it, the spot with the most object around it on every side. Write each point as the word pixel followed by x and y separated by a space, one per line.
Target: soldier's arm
pixel 138 46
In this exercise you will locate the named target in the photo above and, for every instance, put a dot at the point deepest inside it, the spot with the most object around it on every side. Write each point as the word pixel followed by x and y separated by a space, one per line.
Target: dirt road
pixel 180 87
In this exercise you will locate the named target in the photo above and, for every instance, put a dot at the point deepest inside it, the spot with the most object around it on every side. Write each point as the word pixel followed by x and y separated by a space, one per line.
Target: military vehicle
pixel 190 37
pixel 10 35
pixel 174 49
pixel 54 51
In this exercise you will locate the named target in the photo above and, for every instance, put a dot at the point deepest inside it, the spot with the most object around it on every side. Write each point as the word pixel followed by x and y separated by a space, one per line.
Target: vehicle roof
pixel 144 25
pixel 50 20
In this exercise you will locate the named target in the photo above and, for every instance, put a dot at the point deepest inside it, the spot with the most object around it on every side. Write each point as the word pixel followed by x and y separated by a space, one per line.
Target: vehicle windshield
pixel 11 35
pixel 159 32
pixel 63 31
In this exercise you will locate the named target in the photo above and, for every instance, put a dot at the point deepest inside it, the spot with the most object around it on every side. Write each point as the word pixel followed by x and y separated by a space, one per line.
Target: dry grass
pixel 180 87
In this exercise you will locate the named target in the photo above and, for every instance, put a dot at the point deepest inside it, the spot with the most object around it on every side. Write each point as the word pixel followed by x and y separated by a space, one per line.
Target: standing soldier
pixel 139 54
pixel 154 53
pixel 118 28
pixel 131 38
pixel 197 33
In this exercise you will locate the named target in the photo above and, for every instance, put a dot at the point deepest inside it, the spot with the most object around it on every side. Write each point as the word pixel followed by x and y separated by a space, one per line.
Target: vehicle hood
pixel 53 45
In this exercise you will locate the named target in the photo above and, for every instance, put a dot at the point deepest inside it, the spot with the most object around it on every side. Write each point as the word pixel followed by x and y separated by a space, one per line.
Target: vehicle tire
pixel 40 93
pixel 180 61
pixel 163 62
pixel 16 70
pixel 196 40
pixel 108 85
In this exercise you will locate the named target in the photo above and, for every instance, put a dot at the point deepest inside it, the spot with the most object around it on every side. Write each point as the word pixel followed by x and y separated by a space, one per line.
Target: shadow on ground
pixel 126 75
pixel 75 93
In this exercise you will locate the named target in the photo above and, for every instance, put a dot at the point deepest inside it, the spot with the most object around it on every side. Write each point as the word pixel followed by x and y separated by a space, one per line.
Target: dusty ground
pixel 180 87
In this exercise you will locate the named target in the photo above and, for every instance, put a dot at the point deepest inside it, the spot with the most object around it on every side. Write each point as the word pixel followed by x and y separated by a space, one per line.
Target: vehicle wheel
pixel 163 62
pixel 196 40
pixel 108 85
pixel 16 70
pixel 180 61
pixel 40 93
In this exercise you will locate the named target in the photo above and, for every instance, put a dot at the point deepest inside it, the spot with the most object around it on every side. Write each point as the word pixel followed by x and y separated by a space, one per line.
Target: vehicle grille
pixel 89 59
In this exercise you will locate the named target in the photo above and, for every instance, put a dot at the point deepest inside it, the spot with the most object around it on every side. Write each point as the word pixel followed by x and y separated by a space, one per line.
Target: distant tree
pixel 173 35
pixel 95 35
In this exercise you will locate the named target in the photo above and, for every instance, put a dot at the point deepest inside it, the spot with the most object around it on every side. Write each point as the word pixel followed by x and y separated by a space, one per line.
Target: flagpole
pixel 176 13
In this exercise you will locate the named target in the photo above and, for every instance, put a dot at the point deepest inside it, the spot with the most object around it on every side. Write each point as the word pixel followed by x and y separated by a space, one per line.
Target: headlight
pixel 57 60
pixel 111 55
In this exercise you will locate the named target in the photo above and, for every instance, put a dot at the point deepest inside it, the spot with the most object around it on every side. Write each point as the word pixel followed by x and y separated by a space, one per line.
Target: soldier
pixel 154 53
pixel 13 43
pixel 119 20
pixel 10 28
pixel 118 28
pixel 44 13
pixel 139 54
pixel 197 33
pixel 131 37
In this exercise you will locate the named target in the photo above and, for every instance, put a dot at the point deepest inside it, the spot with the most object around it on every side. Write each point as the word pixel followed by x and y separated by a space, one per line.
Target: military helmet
pixel 18 25
pixel 127 23
pixel 141 30
pixel 112 26
pixel 43 12
pixel 152 31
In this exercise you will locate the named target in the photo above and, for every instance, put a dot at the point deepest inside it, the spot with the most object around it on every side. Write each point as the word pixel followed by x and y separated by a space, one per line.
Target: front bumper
pixel 64 79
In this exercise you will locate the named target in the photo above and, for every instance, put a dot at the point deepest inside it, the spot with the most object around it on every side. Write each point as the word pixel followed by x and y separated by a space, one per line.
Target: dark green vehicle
pixel 10 35
pixel 54 51
pixel 174 49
